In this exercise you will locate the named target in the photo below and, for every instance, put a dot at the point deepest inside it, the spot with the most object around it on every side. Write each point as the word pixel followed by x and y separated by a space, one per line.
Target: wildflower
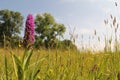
pixel 51 72
pixel 89 50
pixel 38 50
pixel 29 32
pixel 19 45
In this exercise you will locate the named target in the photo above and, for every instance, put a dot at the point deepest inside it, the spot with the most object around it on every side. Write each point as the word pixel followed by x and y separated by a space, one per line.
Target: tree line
pixel 47 31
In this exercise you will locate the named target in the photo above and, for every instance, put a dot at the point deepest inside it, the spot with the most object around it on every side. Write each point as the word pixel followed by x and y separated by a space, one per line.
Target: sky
pixel 83 15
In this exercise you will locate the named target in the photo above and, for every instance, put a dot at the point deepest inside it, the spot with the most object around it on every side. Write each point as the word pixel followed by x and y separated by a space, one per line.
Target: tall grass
pixel 22 69
pixel 58 65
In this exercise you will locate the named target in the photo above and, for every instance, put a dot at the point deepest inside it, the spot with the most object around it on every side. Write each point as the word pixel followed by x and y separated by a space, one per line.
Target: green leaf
pixel 24 55
pixel 18 67
pixel 27 60
pixel 35 74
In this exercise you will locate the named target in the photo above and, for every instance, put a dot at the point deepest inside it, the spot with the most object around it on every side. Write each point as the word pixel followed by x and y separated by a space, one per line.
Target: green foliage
pixel 10 24
pixel 38 42
pixel 18 68
pixel 23 69
pixel 47 29
pixel 66 44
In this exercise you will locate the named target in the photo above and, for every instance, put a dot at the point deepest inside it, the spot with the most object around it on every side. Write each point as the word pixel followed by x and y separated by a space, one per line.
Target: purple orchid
pixel 29 31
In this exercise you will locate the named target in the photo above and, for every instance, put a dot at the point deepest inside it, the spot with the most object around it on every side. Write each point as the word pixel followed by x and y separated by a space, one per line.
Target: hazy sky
pixel 84 15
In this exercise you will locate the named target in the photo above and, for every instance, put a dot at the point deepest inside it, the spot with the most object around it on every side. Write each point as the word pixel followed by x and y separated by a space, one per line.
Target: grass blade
pixel 27 60
pixel 18 67
pixel 6 69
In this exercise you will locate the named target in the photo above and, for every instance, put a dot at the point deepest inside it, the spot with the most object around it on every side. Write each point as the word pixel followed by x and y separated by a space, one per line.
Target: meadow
pixel 48 64
pixel 45 57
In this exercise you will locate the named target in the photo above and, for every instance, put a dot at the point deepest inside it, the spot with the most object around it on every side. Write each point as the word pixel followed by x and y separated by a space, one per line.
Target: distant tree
pixel 10 24
pixel 67 44
pixel 47 29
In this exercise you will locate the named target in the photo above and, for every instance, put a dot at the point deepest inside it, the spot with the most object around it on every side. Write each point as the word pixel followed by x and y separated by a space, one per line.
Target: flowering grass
pixel 64 65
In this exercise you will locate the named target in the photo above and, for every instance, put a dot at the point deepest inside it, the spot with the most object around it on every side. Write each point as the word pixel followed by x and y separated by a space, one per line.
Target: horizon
pixel 83 15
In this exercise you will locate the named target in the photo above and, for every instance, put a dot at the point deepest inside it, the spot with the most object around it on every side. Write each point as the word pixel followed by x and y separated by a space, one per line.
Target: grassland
pixel 63 65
